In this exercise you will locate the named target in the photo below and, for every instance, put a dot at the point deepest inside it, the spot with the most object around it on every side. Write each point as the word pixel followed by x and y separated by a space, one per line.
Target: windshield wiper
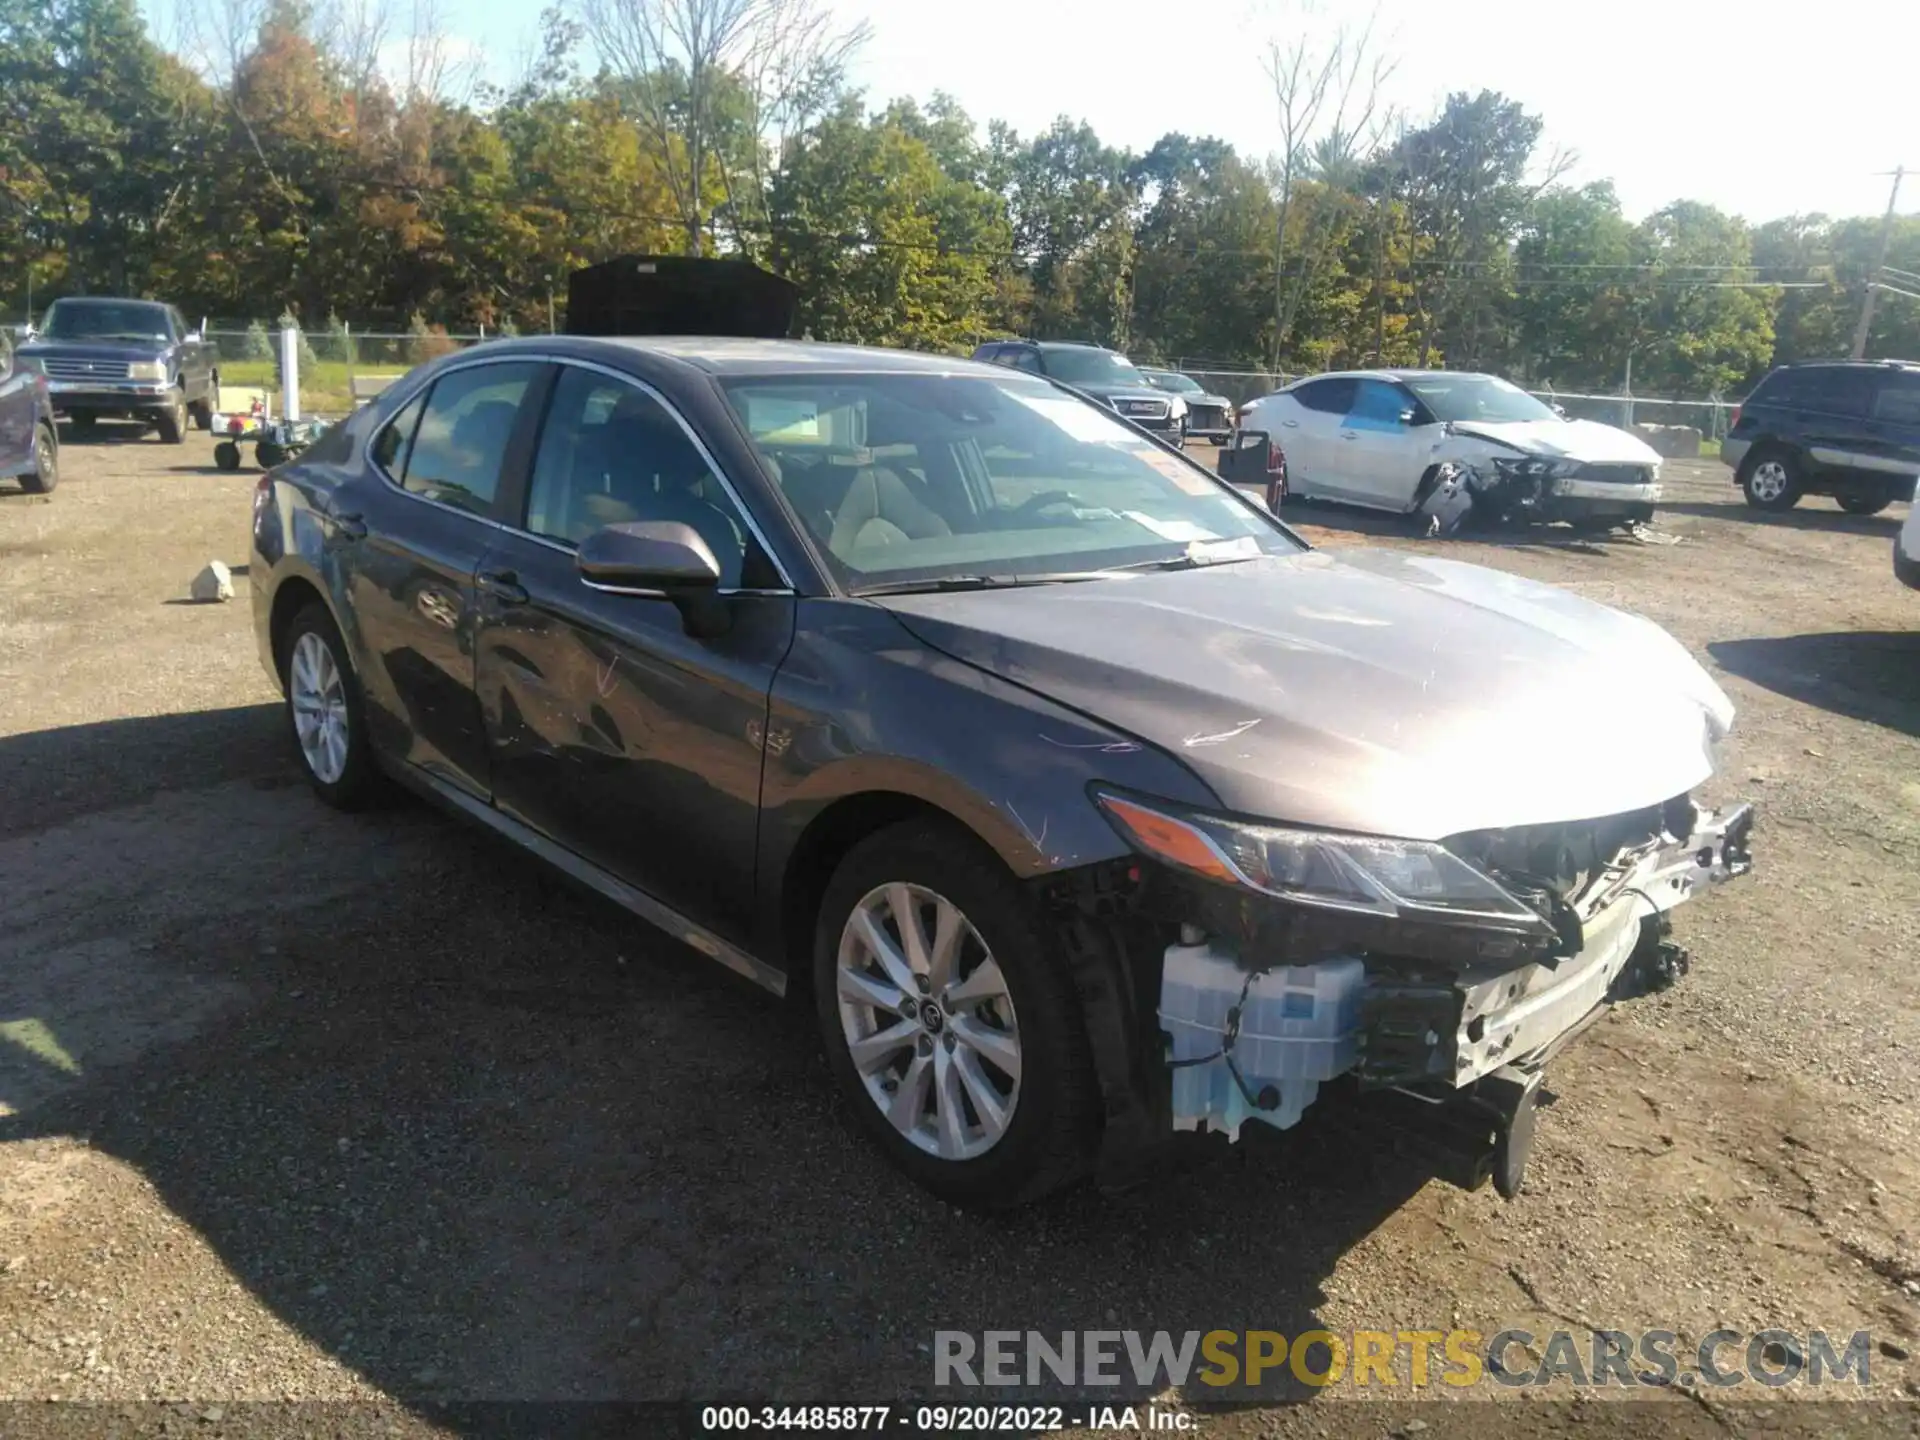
pixel 1191 560
pixel 977 582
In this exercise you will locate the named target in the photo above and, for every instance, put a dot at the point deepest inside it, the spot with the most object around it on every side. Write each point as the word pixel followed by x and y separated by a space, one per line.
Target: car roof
pixel 1850 365
pixel 727 355
pixel 1407 374
pixel 106 300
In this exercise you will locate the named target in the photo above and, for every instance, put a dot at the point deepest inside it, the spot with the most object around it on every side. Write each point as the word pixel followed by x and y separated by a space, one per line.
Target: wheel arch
pixel 290 597
pixel 820 847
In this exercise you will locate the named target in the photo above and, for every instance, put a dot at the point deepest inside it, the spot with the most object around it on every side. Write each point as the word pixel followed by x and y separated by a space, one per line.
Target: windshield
pixel 105 320
pixel 1476 397
pixel 911 479
pixel 1098 367
pixel 1168 380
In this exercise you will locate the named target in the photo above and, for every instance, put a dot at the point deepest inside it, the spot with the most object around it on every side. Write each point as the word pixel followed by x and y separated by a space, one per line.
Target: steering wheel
pixel 1034 504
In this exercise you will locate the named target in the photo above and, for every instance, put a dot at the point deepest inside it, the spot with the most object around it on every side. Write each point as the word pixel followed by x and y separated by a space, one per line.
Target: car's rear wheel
pixel 949 1021
pixel 1771 480
pixel 226 455
pixel 172 421
pixel 1855 502
pixel 326 713
pixel 201 412
pixel 83 422
pixel 46 462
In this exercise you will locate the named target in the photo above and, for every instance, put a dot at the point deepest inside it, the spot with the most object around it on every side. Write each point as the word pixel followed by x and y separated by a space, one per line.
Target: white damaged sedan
pixel 1380 438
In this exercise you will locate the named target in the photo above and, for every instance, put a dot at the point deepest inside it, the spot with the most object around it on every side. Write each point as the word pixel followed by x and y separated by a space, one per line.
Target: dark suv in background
pixel 129 359
pixel 1845 428
pixel 1105 375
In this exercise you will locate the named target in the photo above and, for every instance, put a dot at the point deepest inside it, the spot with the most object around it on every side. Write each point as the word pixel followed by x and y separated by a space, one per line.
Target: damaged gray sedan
pixel 1079 799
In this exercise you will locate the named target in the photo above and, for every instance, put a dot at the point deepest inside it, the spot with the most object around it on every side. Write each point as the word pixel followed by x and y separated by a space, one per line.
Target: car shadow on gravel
pixel 481 1137
pixel 49 776
pixel 1864 675
pixel 1810 516
pixel 1328 516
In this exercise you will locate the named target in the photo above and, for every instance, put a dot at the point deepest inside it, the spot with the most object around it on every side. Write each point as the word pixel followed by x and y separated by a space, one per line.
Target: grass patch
pixel 324 387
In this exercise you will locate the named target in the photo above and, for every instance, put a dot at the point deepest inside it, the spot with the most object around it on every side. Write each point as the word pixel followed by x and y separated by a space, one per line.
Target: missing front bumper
pixel 1463 1045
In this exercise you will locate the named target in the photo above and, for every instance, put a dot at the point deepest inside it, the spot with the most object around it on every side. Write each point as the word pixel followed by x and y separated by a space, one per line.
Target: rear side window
pixel 462 438
pixel 1333 397
pixel 390 446
pixel 1831 390
pixel 1898 400
pixel 1028 360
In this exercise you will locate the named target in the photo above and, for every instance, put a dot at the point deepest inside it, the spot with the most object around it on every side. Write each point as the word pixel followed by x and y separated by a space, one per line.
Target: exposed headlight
pixel 1373 875
pixel 1533 467
pixel 147 370
pixel 31 364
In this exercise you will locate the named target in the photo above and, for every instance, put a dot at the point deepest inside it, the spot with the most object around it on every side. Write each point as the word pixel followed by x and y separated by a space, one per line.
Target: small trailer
pixel 274 441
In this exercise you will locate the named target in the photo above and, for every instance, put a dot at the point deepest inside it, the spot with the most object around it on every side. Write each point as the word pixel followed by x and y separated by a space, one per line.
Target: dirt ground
pixel 295 1106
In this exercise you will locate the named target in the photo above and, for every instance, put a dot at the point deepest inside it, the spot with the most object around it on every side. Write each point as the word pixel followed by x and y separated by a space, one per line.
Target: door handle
pixel 503 585
pixel 353 526
pixel 1349 435
pixel 1290 424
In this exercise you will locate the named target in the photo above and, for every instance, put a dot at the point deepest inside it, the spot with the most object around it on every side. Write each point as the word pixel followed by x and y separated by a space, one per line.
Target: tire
pixel 1771 480
pixel 268 454
pixel 172 421
pixel 201 413
pixel 1857 504
pixel 84 422
pixel 339 765
pixel 46 462
pixel 227 455
pixel 1049 1131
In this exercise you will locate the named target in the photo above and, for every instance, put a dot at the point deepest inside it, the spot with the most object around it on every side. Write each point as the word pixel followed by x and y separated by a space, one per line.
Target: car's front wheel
pixel 46 462
pixel 949 1021
pixel 172 421
pixel 326 713
pixel 1771 480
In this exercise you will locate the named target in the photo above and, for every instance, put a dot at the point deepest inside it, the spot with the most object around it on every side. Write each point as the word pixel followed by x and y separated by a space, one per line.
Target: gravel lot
pixel 301 1107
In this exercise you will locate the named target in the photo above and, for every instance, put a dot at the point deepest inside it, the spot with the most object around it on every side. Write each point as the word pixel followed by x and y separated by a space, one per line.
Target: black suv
pixel 1104 375
pixel 1845 428
pixel 136 359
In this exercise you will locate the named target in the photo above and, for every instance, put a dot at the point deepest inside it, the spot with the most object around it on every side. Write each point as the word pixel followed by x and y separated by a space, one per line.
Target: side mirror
pixel 658 558
pixel 1409 418
pixel 27 332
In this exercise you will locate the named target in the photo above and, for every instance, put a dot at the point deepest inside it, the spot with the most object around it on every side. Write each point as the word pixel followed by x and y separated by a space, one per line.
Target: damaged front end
pixel 1432 982
pixel 1521 490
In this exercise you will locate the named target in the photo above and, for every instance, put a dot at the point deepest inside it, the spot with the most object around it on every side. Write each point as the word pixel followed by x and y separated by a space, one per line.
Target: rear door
pixel 408 532
pixel 1827 406
pixel 1310 436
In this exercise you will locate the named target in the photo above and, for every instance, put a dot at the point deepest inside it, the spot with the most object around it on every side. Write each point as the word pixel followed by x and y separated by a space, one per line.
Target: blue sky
pixel 1762 113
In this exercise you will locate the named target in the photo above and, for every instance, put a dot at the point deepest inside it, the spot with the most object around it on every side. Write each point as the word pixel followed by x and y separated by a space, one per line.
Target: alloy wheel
pixel 318 693
pixel 928 1021
pixel 1768 481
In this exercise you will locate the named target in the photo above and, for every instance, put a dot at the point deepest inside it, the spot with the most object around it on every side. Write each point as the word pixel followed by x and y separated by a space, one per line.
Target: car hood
pixel 1381 692
pixel 120 351
pixel 1586 440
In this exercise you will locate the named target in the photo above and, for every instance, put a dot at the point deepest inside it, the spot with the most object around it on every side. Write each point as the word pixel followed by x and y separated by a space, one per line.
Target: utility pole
pixel 1879 263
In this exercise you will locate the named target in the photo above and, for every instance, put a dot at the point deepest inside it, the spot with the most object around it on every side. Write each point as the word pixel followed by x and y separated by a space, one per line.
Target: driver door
pixel 609 728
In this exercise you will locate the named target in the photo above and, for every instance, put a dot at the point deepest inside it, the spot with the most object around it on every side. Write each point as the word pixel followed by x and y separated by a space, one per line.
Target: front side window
pixel 903 479
pixel 106 320
pixel 610 453
pixel 1484 398
pixel 461 441
pixel 1378 405
pixel 1174 381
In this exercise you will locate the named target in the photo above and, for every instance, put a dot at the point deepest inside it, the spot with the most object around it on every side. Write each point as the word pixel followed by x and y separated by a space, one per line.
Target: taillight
pixel 1736 418
pixel 262 499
